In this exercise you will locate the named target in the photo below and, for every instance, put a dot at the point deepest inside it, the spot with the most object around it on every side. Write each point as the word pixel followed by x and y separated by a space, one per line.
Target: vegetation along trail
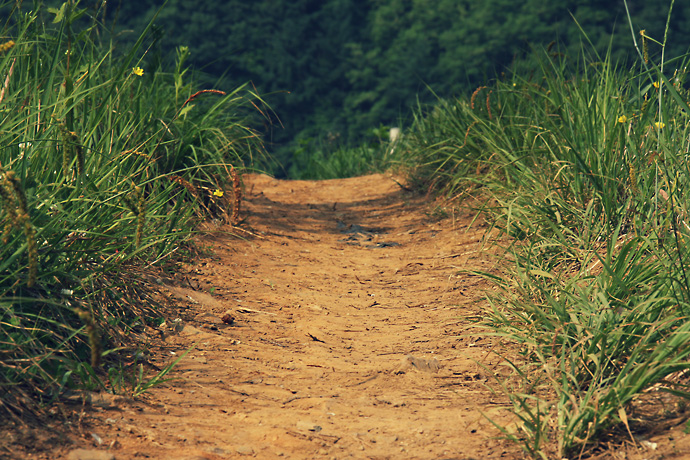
pixel 339 328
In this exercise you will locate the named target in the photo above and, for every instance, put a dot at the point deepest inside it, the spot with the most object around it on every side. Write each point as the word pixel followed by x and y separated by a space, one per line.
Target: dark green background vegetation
pixel 335 70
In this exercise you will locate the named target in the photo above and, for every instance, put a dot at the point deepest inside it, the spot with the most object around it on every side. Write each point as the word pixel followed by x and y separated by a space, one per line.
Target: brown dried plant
pixel 237 195
pixel 71 149
pixel 488 105
pixel 474 96
pixel 141 215
pixel 94 336
pixel 645 46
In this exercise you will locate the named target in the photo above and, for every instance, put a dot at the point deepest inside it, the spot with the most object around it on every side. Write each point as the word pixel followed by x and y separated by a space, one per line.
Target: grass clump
pixel 330 160
pixel 587 173
pixel 107 161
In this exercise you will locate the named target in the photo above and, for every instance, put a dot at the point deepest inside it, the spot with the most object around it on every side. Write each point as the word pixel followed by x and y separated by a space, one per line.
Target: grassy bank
pixel 585 166
pixel 107 161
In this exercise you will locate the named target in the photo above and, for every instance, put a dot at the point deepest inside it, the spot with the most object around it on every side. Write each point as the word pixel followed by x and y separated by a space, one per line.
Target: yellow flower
pixel 656 84
pixel 218 193
pixel 138 71
pixel 659 125
pixel 622 119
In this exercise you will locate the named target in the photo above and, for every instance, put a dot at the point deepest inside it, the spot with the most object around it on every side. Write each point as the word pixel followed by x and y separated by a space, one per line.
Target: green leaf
pixel 59 13
pixel 542 273
pixel 186 109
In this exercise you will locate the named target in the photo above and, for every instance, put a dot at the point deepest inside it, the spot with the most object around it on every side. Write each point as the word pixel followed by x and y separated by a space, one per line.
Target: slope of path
pixel 351 336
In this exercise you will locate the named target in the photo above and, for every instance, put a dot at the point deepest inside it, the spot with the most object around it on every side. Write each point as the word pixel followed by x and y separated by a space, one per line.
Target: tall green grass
pixel 585 167
pixel 324 160
pixel 107 161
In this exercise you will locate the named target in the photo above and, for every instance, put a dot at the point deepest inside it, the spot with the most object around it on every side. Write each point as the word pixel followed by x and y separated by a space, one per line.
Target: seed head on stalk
pixel 645 46
pixel 94 336
pixel 141 215
pixel 16 207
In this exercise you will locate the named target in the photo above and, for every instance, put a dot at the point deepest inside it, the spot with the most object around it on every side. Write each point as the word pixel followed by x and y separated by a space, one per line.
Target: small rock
pixel 649 445
pixel 177 325
pixel 308 426
pixel 89 454
pixel 227 317
pixel 245 450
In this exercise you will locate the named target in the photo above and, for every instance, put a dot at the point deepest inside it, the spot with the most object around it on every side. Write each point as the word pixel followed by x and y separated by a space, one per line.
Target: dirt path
pixel 351 336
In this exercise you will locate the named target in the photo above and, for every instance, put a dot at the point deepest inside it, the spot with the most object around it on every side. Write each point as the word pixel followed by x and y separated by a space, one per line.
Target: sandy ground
pixel 351 337
pixel 340 325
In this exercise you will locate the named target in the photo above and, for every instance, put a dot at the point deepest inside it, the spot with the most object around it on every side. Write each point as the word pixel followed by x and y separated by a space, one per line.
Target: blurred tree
pixel 333 70
pixel 293 52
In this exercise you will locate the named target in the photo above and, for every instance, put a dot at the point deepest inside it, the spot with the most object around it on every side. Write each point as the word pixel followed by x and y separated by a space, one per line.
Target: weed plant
pixel 586 167
pixel 107 161
pixel 312 160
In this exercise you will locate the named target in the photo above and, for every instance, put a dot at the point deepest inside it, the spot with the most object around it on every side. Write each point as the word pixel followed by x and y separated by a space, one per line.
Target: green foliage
pixel 333 161
pixel 585 164
pixel 341 67
pixel 292 52
pixel 104 169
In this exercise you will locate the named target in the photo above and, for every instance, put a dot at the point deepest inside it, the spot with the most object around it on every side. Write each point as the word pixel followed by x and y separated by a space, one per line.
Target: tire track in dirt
pixel 352 336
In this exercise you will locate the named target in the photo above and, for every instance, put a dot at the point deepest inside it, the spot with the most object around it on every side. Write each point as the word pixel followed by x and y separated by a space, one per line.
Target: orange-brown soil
pixel 351 337
pixel 340 325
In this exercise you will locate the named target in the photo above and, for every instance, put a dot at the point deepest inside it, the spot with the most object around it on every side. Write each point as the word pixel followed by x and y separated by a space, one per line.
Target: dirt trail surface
pixel 338 327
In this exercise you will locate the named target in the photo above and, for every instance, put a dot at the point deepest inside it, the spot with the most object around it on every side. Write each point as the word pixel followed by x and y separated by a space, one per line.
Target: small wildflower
pixel 656 84
pixel 218 193
pixel 659 125
pixel 138 71
pixel 514 85
pixel 23 147
pixel 622 119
